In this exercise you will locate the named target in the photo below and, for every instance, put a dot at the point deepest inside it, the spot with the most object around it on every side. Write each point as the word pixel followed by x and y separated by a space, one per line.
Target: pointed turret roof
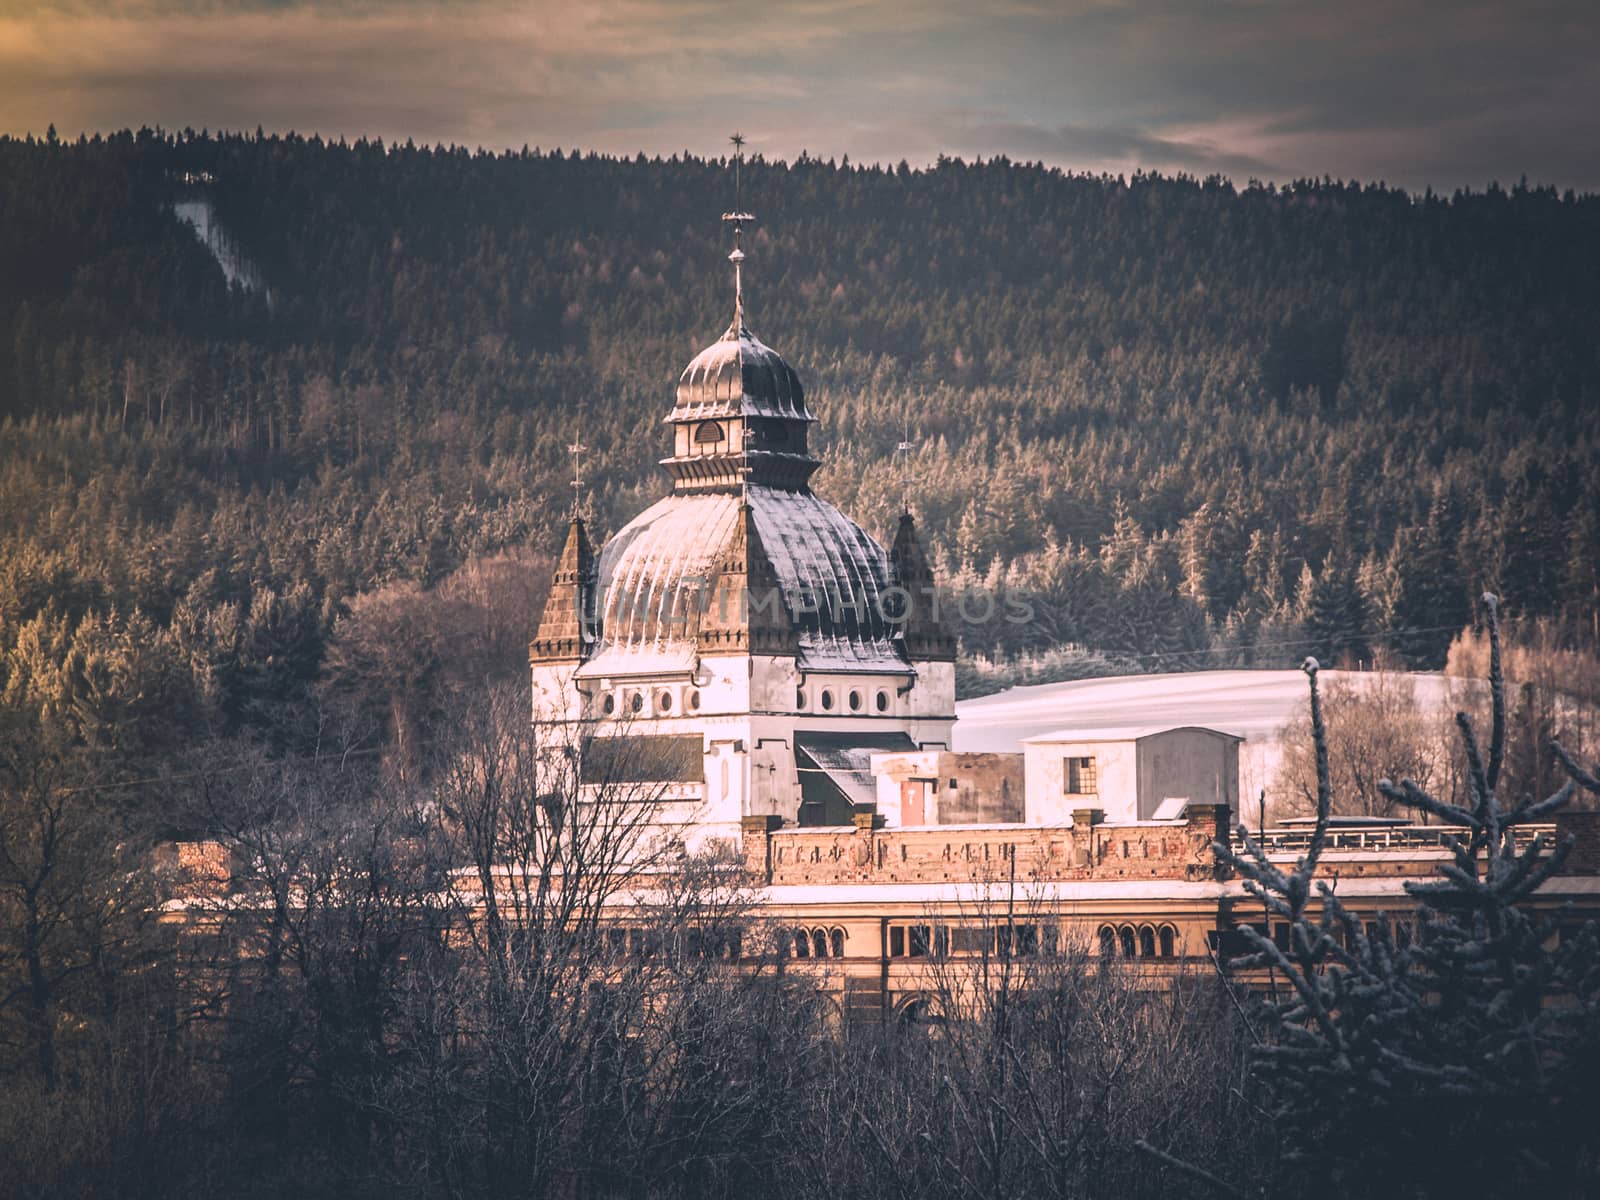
pixel 566 628
pixel 746 610
pixel 922 633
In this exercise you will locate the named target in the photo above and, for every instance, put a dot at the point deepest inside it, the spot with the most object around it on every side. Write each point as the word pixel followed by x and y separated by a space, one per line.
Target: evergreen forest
pixel 1194 422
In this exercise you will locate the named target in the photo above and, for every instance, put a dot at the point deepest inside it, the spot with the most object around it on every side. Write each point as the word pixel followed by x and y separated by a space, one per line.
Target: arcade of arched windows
pixel 817 942
pixel 1138 941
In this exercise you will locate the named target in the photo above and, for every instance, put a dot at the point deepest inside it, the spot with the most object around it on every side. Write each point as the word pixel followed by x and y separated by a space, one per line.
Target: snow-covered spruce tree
pixel 1458 1056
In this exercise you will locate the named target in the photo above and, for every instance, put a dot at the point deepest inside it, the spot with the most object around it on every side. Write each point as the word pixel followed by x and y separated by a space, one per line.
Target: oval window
pixel 609 705
pixel 827 698
pixel 664 701
pixel 708 431
pixel 855 701
pixel 883 701
pixel 800 698
pixel 636 702
pixel 694 700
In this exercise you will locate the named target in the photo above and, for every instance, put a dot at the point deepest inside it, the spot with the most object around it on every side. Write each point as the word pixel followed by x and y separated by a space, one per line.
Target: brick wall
pixel 980 854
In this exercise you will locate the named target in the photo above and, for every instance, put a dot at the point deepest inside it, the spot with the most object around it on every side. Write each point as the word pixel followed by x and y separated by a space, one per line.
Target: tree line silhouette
pixel 1195 423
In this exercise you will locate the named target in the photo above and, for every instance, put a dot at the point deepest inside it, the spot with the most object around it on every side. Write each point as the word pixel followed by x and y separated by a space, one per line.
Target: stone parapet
pixel 980 853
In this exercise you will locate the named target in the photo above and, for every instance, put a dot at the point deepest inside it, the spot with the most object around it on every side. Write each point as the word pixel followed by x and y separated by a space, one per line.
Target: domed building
pixel 742 644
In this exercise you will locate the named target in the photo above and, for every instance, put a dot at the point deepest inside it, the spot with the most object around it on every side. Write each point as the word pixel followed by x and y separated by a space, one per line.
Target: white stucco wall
pixel 1044 773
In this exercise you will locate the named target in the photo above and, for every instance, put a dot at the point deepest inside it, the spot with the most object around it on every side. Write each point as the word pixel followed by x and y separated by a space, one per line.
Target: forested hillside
pixel 1198 423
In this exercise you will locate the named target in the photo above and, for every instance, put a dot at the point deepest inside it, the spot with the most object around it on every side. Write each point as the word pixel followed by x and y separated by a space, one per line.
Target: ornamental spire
pixel 576 450
pixel 737 218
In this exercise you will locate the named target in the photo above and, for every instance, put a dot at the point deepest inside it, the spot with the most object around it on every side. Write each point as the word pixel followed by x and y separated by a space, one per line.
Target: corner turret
pixel 566 630
pixel 921 632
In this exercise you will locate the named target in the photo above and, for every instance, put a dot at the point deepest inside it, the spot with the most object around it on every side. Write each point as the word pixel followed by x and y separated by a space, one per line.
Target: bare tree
pixel 1376 729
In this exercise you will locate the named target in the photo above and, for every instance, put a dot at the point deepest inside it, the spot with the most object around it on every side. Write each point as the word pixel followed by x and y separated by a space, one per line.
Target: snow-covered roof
pixel 658 571
pixel 1122 733
pixel 1050 894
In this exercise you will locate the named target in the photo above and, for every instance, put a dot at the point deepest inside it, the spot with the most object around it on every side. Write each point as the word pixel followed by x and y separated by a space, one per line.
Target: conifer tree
pixel 1455 1057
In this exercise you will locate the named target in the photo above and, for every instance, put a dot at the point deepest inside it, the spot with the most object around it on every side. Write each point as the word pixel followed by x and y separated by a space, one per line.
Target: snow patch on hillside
pixel 200 215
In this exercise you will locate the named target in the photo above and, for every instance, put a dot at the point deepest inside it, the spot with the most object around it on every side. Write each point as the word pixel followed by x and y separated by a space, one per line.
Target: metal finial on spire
pixel 903 452
pixel 737 218
pixel 576 449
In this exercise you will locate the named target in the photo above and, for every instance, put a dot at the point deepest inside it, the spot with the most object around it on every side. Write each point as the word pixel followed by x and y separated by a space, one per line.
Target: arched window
pixel 837 938
pixel 708 431
pixel 1169 942
pixel 1147 942
pixel 1125 939
pixel 922 1015
pixel 1108 941
pixel 802 944
pixel 819 943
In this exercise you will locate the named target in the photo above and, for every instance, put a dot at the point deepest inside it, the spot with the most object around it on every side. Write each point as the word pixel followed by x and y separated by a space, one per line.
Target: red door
pixel 914 802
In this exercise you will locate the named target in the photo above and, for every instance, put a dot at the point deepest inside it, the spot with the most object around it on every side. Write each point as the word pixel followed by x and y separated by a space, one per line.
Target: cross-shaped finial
pixel 576 449
pixel 903 452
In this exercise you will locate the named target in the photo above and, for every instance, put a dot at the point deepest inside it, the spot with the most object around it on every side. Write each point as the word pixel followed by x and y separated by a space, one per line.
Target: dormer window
pixel 708 431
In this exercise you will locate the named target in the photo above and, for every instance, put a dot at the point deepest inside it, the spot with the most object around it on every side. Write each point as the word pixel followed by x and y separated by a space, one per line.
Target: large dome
pixel 739 376
pixel 657 572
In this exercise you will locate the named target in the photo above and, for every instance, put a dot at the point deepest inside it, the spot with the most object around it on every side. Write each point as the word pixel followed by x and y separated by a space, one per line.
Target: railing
pixel 1389 837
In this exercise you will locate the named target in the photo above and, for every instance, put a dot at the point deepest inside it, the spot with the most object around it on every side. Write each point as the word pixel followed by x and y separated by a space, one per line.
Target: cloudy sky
pixel 1415 92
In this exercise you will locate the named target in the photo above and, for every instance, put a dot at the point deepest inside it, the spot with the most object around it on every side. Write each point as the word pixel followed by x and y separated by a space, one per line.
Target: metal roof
pixel 739 376
pixel 657 572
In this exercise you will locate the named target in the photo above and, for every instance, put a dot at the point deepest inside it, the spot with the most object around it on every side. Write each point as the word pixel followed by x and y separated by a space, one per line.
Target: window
pixel 609 705
pixel 1147 942
pixel 920 941
pixel 664 758
pixel 952 783
pixel 802 944
pixel 897 941
pixel 664 701
pixel 1169 941
pixel 636 702
pixel 819 943
pixel 1081 777
pixel 836 936
pixel 1108 941
pixel 1019 940
pixel 855 701
pixel 799 697
pixel 883 701
pixel 708 431
pixel 1125 939
pixel 827 699
pixel 970 939
pixel 694 701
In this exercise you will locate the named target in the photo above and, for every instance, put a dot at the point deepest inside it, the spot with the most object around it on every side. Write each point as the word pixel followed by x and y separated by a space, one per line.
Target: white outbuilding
pixel 1135 773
